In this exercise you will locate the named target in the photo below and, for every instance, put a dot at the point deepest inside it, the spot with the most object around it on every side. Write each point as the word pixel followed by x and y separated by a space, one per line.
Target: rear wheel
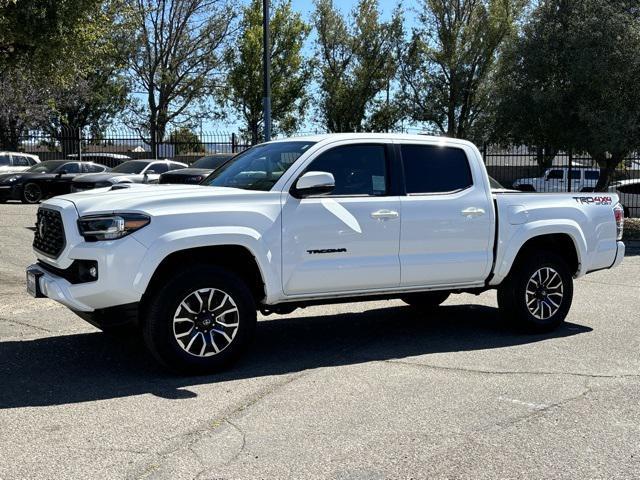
pixel 538 292
pixel 200 321
pixel 425 300
pixel 31 193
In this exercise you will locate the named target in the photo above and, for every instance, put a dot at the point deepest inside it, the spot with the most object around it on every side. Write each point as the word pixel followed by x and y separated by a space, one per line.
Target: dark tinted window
pixel 4 160
pixel 592 174
pixel 357 169
pixel 159 167
pixel 32 161
pixel 434 169
pixel 556 175
pixel 574 174
pixel 69 168
pixel 20 161
pixel 175 166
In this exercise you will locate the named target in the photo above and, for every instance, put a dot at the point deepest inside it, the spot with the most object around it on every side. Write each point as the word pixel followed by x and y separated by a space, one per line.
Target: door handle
pixel 384 213
pixel 473 212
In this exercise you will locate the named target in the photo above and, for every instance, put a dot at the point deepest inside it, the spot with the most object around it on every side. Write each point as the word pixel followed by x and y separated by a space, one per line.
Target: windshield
pixel 132 166
pixel 211 162
pixel 259 168
pixel 493 183
pixel 47 167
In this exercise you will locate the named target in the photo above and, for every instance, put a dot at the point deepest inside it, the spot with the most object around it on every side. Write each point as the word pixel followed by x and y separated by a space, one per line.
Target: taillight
pixel 618 211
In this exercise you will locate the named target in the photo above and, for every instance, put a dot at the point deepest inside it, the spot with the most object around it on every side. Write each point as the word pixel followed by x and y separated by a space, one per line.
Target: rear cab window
pixel 431 169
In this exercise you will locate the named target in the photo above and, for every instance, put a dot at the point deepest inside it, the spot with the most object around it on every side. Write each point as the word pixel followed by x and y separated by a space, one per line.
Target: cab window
pixel 555 175
pixel 357 169
pixel 435 169
pixel 20 161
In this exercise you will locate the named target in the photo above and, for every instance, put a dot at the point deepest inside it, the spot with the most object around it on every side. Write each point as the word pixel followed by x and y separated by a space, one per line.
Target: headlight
pixel 195 178
pixel 12 179
pixel 110 227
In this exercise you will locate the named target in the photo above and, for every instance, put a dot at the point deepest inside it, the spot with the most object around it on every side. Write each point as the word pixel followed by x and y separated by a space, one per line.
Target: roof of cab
pixel 370 136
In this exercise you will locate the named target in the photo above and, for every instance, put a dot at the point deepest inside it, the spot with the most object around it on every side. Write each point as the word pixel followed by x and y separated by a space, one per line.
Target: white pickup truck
pixel 561 179
pixel 314 220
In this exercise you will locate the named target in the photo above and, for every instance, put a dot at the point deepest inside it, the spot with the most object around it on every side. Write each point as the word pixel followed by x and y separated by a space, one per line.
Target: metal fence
pixel 534 170
pixel 74 143
pixel 521 167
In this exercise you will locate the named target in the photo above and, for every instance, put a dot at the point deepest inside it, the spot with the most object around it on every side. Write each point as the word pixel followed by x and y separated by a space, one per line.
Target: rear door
pixel 347 240
pixel 447 216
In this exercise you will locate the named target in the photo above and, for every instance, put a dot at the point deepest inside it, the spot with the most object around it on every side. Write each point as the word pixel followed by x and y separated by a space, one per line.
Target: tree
pixel 40 30
pixel 356 63
pixel 290 73
pixel 448 64
pixel 178 45
pixel 75 84
pixel 22 104
pixel 570 81
pixel 185 141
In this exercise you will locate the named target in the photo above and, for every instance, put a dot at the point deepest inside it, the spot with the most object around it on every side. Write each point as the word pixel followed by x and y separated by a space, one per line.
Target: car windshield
pixel 493 183
pixel 259 168
pixel 49 166
pixel 211 162
pixel 132 166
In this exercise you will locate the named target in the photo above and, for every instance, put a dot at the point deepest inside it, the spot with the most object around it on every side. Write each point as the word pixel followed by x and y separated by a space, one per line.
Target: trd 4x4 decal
pixel 593 200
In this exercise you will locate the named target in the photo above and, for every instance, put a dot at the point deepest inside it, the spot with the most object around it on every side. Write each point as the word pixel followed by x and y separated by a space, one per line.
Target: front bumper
pixel 10 192
pixel 56 288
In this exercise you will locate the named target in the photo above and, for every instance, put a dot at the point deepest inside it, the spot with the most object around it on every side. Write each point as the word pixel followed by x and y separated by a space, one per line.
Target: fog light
pixel 93 271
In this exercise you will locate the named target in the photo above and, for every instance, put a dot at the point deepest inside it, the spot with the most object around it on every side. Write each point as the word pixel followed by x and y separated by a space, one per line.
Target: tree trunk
pixel 607 170
pixel 544 157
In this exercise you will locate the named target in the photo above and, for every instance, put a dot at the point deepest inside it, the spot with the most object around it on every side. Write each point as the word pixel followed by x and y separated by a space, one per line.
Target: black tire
pixel 159 329
pixel 31 193
pixel 514 299
pixel 425 300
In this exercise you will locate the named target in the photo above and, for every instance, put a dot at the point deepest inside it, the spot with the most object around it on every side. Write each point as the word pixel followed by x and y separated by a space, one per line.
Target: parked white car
pixel 557 180
pixel 14 162
pixel 132 171
pixel 320 219
pixel 629 193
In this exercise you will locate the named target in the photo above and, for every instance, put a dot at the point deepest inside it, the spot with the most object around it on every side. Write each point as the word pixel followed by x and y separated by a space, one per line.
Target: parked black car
pixel 196 172
pixel 43 180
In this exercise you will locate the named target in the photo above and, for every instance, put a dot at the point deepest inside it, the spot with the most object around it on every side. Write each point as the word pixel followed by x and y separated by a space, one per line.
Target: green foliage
pixel 448 64
pixel 356 64
pixel 185 141
pixel 570 81
pixel 175 57
pixel 290 71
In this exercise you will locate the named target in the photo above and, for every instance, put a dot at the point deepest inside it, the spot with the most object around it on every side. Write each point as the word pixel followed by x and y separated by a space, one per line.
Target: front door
pixel 347 240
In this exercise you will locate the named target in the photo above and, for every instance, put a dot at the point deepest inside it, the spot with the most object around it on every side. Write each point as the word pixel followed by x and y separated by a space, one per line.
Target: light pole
pixel 266 73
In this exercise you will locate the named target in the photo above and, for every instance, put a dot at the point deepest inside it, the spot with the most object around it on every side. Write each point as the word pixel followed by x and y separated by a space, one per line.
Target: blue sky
pixel 306 8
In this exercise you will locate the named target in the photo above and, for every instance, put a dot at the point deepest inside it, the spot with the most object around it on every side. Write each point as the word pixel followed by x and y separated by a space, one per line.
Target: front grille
pixel 49 235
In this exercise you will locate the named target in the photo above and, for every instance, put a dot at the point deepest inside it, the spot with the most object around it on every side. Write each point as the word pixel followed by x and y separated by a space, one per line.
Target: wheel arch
pixel 235 258
pixel 565 239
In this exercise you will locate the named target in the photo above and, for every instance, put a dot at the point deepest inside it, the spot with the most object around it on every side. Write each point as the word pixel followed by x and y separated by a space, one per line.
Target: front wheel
pixel 31 193
pixel 538 292
pixel 200 320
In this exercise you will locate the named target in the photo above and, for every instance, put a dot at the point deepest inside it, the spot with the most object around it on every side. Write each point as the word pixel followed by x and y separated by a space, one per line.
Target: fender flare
pixel 191 238
pixel 532 230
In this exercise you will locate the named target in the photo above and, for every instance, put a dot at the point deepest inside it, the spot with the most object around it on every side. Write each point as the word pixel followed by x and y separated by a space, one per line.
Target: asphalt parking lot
pixel 359 391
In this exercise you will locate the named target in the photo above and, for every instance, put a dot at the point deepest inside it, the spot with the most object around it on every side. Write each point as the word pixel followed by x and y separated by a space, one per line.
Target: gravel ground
pixel 358 391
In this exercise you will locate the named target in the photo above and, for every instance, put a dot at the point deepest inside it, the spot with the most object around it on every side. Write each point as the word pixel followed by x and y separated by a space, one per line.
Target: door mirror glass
pixel 314 183
pixel 149 172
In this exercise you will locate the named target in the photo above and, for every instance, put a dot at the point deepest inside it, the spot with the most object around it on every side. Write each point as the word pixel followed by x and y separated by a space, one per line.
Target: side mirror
pixel 314 183
pixel 62 172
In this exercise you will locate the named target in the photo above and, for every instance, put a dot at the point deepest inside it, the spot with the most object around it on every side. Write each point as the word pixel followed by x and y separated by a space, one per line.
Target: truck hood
pixel 156 199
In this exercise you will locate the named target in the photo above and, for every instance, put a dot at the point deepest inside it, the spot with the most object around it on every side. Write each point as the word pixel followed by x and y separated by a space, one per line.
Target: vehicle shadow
pixel 94 366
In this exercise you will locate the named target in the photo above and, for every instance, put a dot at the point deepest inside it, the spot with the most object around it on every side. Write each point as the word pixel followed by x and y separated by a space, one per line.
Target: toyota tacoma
pixel 313 220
